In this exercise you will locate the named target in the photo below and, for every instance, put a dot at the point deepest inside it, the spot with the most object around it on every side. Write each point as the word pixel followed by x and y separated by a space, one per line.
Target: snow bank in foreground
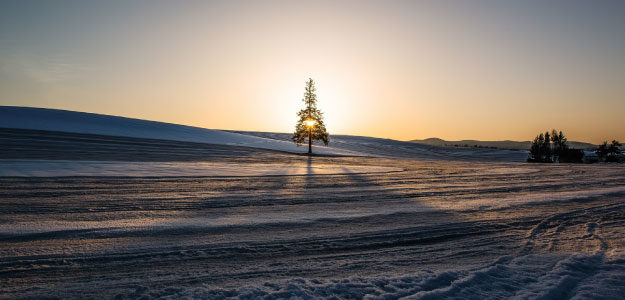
pixel 79 122
pixel 52 168
pixel 541 276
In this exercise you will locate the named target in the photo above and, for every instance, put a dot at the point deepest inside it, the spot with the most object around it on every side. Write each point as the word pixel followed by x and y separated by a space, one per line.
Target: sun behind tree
pixel 310 124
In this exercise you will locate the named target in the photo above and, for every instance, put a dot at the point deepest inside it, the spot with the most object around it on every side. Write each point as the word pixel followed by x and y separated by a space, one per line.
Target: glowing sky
pixel 486 70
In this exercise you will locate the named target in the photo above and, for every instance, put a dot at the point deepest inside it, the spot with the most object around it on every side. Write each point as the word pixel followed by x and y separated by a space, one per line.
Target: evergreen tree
pixel 613 151
pixel 536 153
pixel 615 148
pixel 602 151
pixel 560 146
pixel 546 147
pixel 553 147
pixel 316 131
pixel 563 140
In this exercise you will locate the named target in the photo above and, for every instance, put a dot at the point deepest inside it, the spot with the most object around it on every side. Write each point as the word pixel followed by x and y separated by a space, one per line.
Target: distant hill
pixel 510 145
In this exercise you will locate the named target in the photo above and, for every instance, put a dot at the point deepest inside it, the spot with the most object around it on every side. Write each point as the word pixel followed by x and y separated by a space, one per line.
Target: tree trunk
pixel 309 140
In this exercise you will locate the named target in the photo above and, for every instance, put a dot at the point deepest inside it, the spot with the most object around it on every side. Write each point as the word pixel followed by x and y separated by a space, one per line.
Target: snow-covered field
pixel 437 229
pixel 155 218
pixel 65 168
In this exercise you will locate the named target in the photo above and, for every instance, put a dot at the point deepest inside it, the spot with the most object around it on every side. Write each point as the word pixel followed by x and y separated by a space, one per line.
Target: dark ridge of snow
pixel 551 277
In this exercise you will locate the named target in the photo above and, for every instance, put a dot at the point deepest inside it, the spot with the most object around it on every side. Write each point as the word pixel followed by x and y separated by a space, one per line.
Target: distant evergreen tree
pixel 546 148
pixel 559 145
pixel 562 140
pixel 615 148
pixel 602 151
pixel 536 149
pixel 609 152
pixel 613 151
pixel 553 147
pixel 310 113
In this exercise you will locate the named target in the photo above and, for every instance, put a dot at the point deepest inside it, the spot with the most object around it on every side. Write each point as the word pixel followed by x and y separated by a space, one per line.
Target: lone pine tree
pixel 310 124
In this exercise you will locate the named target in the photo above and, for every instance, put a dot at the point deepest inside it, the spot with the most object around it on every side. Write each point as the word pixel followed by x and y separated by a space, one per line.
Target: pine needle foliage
pixel 310 112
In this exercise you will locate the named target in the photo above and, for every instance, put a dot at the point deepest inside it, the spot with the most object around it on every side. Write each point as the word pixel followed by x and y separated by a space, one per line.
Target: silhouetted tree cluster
pixel 540 151
pixel 553 147
pixel 609 152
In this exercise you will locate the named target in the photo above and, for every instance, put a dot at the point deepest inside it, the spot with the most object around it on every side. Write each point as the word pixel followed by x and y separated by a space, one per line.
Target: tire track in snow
pixel 391 251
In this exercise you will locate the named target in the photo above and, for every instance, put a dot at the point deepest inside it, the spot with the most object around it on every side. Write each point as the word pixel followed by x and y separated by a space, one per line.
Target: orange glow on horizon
pixel 407 70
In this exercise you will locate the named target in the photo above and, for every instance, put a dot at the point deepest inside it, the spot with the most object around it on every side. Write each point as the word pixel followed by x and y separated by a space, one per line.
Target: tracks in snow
pixel 437 229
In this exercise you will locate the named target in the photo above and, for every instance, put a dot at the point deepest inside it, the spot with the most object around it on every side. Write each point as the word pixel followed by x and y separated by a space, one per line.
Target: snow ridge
pixel 525 277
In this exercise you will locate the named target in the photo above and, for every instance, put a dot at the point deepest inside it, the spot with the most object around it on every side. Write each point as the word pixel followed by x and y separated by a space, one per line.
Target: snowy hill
pixel 89 123
pixel 393 148
pixel 80 122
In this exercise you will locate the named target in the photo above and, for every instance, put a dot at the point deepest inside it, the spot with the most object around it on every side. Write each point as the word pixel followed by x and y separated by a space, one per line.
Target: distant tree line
pixel 609 152
pixel 474 146
pixel 553 147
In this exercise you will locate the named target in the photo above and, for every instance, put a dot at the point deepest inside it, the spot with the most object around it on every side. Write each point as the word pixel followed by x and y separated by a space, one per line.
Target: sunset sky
pixel 486 70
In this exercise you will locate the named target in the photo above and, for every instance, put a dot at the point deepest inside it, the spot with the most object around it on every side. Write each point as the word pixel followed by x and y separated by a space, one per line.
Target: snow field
pixel 64 168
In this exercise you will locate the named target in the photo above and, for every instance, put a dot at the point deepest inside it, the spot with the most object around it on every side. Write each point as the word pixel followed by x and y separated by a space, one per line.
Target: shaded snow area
pixel 52 168
pixel 88 123
pixel 435 230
